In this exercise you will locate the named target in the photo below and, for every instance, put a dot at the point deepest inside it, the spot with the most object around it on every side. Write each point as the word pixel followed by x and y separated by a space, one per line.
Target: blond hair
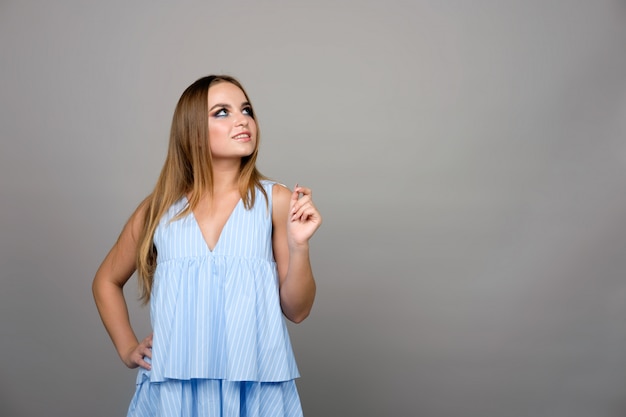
pixel 188 171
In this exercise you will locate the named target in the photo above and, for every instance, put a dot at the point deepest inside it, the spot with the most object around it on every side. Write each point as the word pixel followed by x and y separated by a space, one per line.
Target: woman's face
pixel 232 129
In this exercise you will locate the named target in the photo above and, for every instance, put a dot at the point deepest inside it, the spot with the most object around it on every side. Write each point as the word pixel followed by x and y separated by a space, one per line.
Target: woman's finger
pixel 301 203
pixel 306 212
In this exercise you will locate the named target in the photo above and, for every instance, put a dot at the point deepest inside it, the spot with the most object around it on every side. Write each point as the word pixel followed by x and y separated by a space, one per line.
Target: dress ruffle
pixel 210 398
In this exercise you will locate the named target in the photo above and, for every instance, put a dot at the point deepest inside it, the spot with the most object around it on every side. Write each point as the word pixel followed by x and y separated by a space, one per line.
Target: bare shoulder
pixel 133 227
pixel 281 196
pixel 280 192
pixel 136 221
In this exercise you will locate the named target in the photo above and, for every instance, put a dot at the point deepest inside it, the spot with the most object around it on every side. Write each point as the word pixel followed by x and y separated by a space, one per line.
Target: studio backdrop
pixel 469 159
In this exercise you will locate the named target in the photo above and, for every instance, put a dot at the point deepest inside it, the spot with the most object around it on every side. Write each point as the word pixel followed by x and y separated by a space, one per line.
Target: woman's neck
pixel 225 177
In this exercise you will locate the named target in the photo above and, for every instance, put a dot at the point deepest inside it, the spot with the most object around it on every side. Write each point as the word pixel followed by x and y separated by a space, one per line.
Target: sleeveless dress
pixel 220 342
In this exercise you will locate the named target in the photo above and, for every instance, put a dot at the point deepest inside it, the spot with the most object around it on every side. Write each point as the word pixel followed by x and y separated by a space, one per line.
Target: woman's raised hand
pixel 304 218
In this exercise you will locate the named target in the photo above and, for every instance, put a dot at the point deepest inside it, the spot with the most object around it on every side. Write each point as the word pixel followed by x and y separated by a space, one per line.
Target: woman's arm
pixel 107 287
pixel 294 220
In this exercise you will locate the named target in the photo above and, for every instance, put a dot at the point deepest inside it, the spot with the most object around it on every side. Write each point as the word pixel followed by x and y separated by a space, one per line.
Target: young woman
pixel 222 254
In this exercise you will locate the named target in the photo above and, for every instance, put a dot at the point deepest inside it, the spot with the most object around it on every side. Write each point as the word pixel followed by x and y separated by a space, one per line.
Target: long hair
pixel 188 171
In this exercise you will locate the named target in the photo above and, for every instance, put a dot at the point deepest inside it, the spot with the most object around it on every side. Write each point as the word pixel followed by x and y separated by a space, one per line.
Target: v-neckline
pixel 219 237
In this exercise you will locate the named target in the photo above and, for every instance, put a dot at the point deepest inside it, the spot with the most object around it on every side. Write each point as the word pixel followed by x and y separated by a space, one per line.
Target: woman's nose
pixel 241 120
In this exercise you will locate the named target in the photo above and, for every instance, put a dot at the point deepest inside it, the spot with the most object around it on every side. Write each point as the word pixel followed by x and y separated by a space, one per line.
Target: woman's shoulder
pixel 272 184
pixel 138 217
pixel 275 189
pixel 281 195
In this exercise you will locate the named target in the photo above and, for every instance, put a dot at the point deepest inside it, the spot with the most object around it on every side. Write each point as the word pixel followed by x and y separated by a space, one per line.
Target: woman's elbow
pixel 299 316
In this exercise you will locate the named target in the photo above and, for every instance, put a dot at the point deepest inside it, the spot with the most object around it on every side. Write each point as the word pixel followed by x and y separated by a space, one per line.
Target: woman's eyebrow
pixel 224 105
pixel 220 105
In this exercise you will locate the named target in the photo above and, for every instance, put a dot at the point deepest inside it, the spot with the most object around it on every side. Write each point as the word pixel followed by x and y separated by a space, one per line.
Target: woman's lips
pixel 243 137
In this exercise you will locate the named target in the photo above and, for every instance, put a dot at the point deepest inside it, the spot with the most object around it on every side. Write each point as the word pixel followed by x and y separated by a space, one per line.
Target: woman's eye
pixel 220 113
pixel 248 111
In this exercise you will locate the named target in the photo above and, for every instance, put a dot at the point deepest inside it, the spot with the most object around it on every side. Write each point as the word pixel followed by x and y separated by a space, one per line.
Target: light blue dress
pixel 220 342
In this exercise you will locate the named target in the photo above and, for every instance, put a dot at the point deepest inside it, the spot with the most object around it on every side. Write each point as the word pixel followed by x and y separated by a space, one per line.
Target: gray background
pixel 468 158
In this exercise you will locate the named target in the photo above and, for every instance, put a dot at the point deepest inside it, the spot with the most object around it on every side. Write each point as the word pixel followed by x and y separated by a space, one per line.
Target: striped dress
pixel 220 342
